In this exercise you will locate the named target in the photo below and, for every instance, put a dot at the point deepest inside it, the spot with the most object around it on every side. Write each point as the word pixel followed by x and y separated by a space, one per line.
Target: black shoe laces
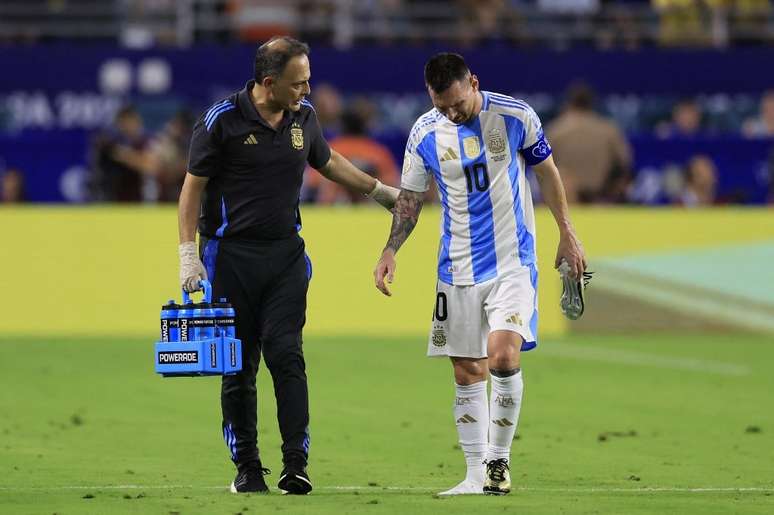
pixel 497 468
pixel 258 469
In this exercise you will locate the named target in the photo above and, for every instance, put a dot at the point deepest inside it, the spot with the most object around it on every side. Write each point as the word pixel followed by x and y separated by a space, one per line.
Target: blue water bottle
pixel 225 319
pixel 185 319
pixel 170 325
pixel 204 321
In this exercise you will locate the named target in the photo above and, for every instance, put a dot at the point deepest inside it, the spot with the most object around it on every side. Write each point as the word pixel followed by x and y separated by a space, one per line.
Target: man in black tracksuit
pixel 247 159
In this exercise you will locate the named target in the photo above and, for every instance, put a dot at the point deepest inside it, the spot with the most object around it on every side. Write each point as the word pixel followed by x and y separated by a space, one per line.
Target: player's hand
pixel 571 250
pixel 385 269
pixel 191 268
pixel 384 195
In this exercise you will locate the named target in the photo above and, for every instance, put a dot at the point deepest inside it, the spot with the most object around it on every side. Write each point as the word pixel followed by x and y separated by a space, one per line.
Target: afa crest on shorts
pixel 297 137
pixel 439 336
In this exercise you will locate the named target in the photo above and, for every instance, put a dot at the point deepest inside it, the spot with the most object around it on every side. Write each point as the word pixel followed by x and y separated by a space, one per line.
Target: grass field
pixel 647 424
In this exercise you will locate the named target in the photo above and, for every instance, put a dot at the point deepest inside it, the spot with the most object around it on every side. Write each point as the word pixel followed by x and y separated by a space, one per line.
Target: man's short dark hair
pixel 443 69
pixel 126 111
pixel 272 57
pixel 580 96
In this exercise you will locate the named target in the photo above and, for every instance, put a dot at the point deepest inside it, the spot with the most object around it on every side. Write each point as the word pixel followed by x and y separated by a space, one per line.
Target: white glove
pixel 384 195
pixel 191 267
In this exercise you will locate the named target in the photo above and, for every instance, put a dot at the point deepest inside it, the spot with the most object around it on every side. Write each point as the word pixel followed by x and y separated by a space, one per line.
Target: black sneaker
pixel 250 479
pixel 294 480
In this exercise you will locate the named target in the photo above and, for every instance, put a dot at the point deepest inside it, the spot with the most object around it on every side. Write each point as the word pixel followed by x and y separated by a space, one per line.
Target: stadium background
pixel 681 315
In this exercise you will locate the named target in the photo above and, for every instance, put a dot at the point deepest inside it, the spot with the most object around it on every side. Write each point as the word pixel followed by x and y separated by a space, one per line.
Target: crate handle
pixel 206 286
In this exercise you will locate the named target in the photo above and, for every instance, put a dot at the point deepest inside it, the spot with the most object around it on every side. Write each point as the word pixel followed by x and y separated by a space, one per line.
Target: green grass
pixel 85 419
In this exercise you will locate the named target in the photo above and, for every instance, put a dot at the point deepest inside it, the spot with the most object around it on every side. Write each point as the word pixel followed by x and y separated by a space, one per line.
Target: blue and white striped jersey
pixel 487 222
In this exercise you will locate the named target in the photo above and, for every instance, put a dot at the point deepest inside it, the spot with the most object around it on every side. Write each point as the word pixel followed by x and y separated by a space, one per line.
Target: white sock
pixel 471 413
pixel 504 409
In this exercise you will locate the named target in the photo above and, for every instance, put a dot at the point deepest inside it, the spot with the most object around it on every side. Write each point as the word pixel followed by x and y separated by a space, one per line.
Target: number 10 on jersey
pixel 477 177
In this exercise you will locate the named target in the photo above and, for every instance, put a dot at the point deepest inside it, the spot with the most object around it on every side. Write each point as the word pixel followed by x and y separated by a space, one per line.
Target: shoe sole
pixel 233 490
pixel 495 491
pixel 294 485
pixel 571 290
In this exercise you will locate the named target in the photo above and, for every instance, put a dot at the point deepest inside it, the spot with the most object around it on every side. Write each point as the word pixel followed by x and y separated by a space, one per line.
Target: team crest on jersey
pixel 471 146
pixel 495 141
pixel 439 336
pixel 297 137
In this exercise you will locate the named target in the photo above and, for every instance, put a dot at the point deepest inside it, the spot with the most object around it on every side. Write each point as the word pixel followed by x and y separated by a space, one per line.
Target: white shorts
pixel 465 315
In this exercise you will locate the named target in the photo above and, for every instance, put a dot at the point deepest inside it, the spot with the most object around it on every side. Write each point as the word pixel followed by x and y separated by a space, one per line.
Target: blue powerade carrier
pixel 198 339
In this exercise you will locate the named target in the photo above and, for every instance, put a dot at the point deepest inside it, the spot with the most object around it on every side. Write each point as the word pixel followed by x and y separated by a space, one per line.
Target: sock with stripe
pixel 504 407
pixel 471 413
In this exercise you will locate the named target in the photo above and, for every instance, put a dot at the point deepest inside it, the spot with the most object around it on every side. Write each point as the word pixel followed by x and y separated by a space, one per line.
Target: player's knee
pixel 504 372
pixel 505 358
pixel 467 372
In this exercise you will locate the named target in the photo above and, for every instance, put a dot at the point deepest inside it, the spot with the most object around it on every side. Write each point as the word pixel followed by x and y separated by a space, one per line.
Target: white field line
pixel 398 489
pixel 627 357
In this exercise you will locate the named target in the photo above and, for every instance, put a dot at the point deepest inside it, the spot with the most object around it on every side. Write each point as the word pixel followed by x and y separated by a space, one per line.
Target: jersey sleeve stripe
pixel 213 113
pixel 503 103
pixel 507 98
pixel 217 113
pixel 418 132
pixel 215 108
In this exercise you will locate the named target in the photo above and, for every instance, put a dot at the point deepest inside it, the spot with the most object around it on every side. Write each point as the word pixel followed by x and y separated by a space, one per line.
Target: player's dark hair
pixel 580 96
pixel 443 69
pixel 271 59
pixel 125 112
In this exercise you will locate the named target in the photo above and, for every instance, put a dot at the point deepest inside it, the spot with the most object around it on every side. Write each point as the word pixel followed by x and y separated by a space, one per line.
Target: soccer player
pixel 477 145
pixel 247 159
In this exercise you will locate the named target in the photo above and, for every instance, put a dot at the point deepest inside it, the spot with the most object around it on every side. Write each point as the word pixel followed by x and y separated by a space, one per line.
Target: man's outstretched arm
pixel 404 219
pixel 340 170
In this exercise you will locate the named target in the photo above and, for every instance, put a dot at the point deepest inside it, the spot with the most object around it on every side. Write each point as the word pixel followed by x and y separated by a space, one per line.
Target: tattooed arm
pixel 404 219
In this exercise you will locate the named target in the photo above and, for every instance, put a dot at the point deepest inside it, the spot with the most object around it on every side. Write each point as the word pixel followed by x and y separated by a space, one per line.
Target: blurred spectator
pixel 12 186
pixel 681 23
pixel 118 159
pixel 167 156
pixel 480 20
pixel 621 31
pixel 701 178
pixel 685 123
pixel 328 107
pixel 590 150
pixel 259 20
pixel 762 126
pixel 147 23
pixel 750 20
pixel 364 152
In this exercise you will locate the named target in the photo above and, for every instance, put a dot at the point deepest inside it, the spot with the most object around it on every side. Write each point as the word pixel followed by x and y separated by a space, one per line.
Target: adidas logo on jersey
pixel 250 140
pixel 514 319
pixel 449 155
pixel 466 419
pixel 503 422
